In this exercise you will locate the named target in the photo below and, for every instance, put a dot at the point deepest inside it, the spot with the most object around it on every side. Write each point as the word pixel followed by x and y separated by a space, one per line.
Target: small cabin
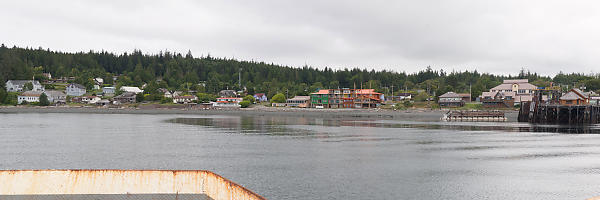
pixel 574 97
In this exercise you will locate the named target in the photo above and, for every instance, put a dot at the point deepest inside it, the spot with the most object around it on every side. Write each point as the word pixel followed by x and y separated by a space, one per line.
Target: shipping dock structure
pixel 474 116
pixel 549 106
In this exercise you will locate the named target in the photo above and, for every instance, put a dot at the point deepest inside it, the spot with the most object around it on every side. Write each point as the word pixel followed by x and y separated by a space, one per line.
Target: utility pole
pixel 470 92
pixel 240 78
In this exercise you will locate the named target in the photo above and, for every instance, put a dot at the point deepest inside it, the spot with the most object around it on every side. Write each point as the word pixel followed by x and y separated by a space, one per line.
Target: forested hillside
pixel 177 71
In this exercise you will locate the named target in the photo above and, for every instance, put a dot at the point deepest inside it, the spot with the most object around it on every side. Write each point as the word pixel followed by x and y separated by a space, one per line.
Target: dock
pixel 474 116
pixel 533 112
pixel 550 106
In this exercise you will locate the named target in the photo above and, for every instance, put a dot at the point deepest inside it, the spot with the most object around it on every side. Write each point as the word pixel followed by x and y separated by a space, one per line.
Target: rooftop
pixel 450 95
pixel 300 98
pixel 32 93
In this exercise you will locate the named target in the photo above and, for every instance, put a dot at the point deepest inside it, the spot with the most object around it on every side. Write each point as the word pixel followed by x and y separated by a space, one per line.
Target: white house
pixel 184 99
pixel 90 99
pixel 168 94
pixel 29 96
pixel 75 90
pixel 135 90
pixel 18 85
pixel 231 102
pixel 108 91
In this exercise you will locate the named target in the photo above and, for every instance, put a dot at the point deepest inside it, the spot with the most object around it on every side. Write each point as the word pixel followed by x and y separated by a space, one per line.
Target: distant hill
pixel 177 71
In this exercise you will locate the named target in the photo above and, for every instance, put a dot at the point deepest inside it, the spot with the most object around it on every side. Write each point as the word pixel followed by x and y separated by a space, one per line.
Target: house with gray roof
pixel 127 97
pixel 451 99
pixel 75 90
pixel 19 85
pixel 56 97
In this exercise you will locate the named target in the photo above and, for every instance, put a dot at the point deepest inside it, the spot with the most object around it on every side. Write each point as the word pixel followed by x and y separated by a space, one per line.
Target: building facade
pixel 451 99
pixel 135 90
pixel 75 90
pixel 346 98
pixel 185 99
pixel 260 97
pixel 29 96
pixel 231 102
pixel 108 91
pixel 298 101
pixel 523 90
pixel 574 97
pixel 127 97
pixel 19 85
pixel 56 97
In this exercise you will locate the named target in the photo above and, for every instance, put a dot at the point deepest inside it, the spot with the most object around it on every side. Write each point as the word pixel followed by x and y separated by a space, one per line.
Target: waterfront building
pixel 185 99
pixel 56 97
pixel 231 102
pixel 75 90
pixel 29 96
pixel 298 101
pixel 103 102
pixel 402 97
pixel 498 99
pixel 523 90
pixel 451 99
pixel 346 98
pixel 90 99
pixel 574 97
pixel 19 85
pixel 127 97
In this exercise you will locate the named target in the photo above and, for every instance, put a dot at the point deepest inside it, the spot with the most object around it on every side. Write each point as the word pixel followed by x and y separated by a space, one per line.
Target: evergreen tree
pixel 44 100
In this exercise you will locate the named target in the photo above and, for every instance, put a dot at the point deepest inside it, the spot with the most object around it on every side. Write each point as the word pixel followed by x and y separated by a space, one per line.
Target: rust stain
pixel 107 181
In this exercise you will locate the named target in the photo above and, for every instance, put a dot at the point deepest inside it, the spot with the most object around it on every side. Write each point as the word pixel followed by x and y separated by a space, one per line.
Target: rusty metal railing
pixel 161 184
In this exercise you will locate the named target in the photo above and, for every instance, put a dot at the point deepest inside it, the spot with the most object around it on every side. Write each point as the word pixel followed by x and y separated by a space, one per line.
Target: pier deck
pixel 559 114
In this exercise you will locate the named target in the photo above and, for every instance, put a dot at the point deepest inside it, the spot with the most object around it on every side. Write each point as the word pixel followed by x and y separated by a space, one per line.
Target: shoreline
pixel 411 114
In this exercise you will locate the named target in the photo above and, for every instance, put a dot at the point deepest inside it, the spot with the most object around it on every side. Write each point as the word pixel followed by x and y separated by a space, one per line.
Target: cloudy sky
pixel 504 36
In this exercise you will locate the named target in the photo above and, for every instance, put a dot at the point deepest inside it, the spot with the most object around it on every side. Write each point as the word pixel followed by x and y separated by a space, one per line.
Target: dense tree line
pixel 209 74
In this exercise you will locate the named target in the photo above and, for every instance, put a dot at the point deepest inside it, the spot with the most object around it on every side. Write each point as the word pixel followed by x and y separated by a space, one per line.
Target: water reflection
pixel 281 125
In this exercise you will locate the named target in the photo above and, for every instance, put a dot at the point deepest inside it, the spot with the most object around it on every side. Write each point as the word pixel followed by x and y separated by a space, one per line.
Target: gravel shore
pixel 413 114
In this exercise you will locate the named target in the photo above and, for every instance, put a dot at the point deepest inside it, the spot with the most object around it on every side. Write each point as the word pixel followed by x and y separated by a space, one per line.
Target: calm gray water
pixel 315 158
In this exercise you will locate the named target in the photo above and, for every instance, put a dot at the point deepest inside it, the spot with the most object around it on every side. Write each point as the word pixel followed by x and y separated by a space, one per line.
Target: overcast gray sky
pixel 499 36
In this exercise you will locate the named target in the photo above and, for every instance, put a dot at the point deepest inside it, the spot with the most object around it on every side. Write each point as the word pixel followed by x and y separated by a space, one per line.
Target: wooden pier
pixel 559 114
pixel 474 116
